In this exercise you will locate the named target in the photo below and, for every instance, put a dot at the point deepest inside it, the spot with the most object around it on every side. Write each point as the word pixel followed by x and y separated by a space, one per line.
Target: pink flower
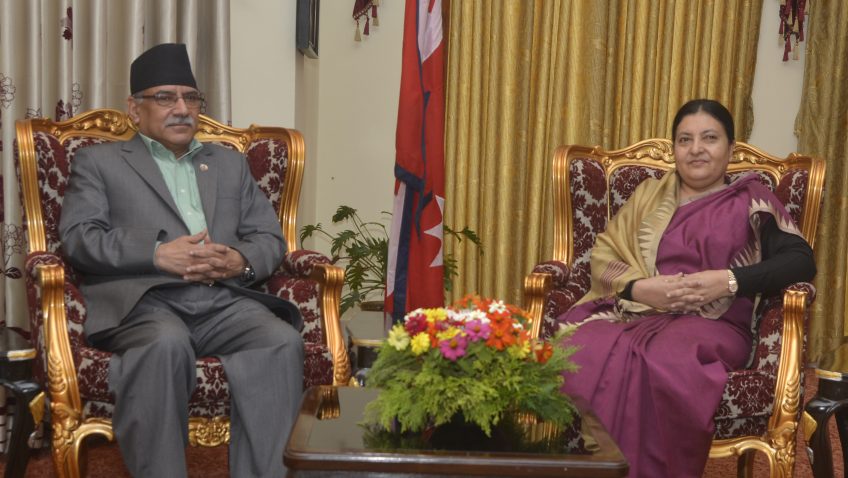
pixel 454 347
pixel 477 330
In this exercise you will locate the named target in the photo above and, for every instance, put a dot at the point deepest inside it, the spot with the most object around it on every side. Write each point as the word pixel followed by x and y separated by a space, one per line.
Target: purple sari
pixel 655 382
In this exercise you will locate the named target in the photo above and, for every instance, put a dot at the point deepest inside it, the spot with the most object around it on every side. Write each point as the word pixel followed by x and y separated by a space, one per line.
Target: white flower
pixel 497 306
pixel 413 313
pixel 479 315
pixel 457 315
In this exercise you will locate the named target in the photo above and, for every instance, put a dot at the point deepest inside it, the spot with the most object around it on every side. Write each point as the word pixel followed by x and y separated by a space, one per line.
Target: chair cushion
pixel 589 209
pixel 268 160
pixel 211 397
pixel 792 191
pixel 53 175
pixel 623 183
pixel 290 283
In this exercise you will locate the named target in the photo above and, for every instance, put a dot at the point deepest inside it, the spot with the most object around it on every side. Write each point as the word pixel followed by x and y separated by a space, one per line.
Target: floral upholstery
pixel 269 161
pixel 594 184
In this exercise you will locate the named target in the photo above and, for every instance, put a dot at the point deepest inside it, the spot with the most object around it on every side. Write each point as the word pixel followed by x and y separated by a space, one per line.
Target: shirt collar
pixel 157 149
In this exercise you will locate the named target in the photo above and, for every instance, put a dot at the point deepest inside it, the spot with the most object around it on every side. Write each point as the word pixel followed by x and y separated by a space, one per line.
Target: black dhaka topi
pixel 165 64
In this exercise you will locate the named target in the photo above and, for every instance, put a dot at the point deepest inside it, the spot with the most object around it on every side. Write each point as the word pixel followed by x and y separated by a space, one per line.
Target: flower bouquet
pixel 475 360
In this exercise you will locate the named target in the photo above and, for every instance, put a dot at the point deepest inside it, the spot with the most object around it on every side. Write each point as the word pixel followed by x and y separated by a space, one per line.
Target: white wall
pixel 777 89
pixel 344 102
pixel 347 109
pixel 262 62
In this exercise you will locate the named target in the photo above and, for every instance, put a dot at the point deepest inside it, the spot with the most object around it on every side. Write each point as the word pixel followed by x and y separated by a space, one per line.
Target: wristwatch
pixel 248 274
pixel 732 285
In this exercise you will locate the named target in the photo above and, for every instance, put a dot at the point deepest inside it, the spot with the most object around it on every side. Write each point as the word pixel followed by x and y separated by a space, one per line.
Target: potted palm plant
pixel 363 249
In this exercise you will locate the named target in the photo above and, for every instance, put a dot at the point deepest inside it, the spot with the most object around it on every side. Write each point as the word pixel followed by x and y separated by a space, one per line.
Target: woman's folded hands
pixel 681 292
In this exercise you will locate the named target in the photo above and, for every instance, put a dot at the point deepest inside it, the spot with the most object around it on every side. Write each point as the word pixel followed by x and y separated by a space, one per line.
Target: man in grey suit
pixel 169 233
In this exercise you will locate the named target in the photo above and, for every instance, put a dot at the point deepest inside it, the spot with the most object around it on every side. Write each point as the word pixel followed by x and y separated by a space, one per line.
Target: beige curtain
pixel 62 57
pixel 821 128
pixel 525 76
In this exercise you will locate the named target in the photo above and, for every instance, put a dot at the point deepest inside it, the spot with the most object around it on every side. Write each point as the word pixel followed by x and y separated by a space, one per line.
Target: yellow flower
pixel 520 350
pixel 398 338
pixel 436 315
pixel 420 343
pixel 447 334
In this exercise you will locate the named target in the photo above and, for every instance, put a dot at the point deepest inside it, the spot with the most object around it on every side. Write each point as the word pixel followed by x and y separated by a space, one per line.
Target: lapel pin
pixel 204 167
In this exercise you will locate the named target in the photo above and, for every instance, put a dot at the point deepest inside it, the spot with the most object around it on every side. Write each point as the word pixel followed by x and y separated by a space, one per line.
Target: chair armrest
pixel 47 273
pixel 301 263
pixel 564 291
pixel 37 259
pixel 330 279
pixel 305 265
pixel 797 299
pixel 536 288
pixel 559 271
pixel 805 287
pixel 35 298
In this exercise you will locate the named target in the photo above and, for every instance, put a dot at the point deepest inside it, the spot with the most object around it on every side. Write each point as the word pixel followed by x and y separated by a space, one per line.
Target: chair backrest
pixel 45 150
pixel 591 184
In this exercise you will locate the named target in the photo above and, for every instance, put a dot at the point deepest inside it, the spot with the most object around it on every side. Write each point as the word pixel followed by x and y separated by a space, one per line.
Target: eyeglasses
pixel 167 99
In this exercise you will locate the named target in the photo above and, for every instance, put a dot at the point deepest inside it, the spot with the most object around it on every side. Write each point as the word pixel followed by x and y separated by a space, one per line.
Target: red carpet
pixel 104 460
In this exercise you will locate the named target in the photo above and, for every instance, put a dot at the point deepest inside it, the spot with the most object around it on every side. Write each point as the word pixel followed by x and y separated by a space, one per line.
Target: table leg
pixel 821 409
pixel 364 357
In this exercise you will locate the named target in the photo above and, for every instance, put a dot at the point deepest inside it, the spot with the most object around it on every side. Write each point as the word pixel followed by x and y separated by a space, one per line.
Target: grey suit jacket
pixel 117 207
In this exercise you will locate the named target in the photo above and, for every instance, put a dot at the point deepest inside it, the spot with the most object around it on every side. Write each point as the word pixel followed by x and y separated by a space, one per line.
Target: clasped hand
pixel 197 259
pixel 679 292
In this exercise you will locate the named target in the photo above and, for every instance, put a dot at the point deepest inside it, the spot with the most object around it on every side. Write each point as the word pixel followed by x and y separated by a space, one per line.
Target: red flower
pixel 544 352
pixel 416 324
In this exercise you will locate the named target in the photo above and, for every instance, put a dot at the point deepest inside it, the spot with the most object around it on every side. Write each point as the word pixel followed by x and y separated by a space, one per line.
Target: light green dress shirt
pixel 181 181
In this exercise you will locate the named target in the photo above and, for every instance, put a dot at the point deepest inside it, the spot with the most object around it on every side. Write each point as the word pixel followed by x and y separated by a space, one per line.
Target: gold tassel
pixel 795 55
pixel 357 37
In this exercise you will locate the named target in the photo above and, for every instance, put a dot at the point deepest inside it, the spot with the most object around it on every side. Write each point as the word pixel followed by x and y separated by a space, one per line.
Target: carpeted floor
pixel 104 460
pixel 726 467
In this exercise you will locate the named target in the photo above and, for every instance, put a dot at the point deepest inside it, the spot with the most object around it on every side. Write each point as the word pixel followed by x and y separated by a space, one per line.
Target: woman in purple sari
pixel 674 281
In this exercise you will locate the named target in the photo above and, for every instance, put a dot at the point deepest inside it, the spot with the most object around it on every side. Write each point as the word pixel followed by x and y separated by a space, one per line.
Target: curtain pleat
pixel 821 127
pixel 526 76
pixel 62 57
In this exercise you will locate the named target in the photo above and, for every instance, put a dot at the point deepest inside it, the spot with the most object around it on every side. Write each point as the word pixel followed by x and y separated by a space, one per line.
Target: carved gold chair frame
pixel 778 443
pixel 69 428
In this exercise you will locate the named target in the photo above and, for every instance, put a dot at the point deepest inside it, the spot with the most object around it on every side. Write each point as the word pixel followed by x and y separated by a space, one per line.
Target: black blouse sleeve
pixel 787 259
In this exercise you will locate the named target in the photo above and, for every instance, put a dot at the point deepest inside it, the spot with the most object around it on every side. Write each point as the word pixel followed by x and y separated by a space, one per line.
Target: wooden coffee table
pixel 329 440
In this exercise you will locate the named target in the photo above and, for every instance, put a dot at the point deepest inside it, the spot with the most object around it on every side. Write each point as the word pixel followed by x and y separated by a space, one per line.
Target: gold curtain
pixel 821 127
pixel 526 76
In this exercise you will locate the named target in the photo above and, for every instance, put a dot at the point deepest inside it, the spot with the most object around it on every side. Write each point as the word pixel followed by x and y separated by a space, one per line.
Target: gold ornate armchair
pixel 761 405
pixel 74 373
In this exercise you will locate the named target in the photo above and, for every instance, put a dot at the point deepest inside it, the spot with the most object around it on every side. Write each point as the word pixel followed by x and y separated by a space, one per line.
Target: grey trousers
pixel 152 374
